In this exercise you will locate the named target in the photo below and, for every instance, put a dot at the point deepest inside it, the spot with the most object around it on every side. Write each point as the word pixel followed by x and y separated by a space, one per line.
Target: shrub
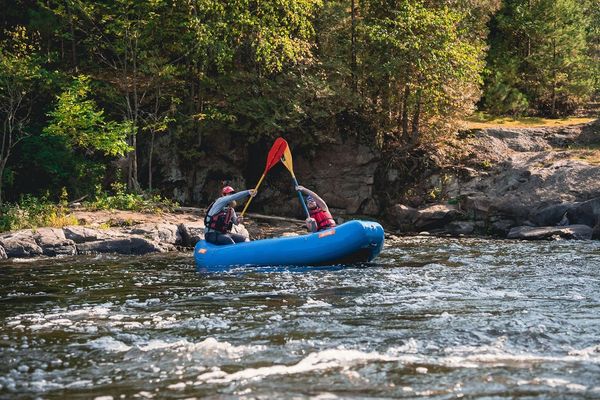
pixel 123 200
pixel 32 212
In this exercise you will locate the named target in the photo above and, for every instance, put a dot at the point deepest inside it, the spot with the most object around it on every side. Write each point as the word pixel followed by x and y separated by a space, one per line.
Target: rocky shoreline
pixel 517 183
pixel 130 233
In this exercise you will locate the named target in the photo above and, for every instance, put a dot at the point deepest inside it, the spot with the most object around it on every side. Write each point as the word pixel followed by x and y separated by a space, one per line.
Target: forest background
pixel 88 87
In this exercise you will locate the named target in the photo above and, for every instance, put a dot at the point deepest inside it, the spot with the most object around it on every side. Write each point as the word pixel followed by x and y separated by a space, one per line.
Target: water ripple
pixel 433 317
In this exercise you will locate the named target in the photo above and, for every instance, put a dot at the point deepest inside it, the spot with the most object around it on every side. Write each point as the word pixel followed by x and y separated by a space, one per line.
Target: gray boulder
pixel 435 217
pixel 162 233
pixel 402 216
pixel 20 244
pixel 191 233
pixel 578 232
pixel 461 227
pixel 131 245
pixel 521 139
pixel 550 215
pixel 82 234
pixel 501 226
pixel 587 212
pixel 53 242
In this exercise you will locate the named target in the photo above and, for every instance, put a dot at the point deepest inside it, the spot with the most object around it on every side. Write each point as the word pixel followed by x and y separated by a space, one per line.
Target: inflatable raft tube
pixel 351 242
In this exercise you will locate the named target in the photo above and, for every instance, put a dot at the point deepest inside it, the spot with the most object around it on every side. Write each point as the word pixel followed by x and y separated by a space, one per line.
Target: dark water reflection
pixel 434 318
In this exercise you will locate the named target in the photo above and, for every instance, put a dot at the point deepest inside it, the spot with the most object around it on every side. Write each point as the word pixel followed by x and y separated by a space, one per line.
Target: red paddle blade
pixel 275 153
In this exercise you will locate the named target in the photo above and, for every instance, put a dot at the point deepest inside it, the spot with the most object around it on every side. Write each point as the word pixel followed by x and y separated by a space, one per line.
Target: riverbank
pixel 521 183
pixel 516 183
pixel 128 232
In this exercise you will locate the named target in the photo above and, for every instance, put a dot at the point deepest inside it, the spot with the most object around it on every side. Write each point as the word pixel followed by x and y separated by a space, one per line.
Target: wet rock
pixel 578 232
pixel 3 255
pixel 435 217
pixel 502 226
pixel 82 234
pixel 20 244
pixel 551 215
pixel 131 245
pixel 587 212
pixel 54 243
pixel 402 216
pixel 191 233
pixel 162 233
pixel 461 227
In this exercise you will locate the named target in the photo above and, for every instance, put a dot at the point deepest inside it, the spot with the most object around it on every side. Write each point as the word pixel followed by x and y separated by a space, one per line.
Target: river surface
pixel 432 318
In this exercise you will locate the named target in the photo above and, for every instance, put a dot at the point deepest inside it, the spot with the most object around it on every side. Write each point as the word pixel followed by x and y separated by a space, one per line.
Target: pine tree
pixel 539 52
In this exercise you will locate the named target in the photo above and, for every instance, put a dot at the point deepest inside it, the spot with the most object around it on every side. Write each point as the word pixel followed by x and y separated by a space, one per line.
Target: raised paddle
pixel 273 158
pixel 286 159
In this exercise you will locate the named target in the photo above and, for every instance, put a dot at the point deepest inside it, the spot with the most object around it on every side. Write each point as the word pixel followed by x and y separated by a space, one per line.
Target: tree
pixel 539 48
pixel 592 9
pixel 421 67
pixel 78 119
pixel 21 77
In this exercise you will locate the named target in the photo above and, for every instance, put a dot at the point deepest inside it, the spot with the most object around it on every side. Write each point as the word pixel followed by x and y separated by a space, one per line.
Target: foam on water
pixel 320 361
pixel 437 317
pixel 109 344
pixel 310 303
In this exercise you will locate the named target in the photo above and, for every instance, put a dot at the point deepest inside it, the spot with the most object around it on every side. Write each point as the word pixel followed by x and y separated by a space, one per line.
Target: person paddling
pixel 320 217
pixel 221 217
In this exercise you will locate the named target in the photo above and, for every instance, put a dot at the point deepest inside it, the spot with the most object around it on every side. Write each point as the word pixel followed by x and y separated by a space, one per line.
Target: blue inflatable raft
pixel 351 242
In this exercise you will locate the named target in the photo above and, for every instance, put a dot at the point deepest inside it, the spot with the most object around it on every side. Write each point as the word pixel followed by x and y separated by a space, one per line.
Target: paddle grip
pixel 301 198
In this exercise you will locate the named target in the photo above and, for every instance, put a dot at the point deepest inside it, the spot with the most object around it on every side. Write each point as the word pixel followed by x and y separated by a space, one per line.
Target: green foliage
pixel 20 65
pixel 78 120
pixel 123 200
pixel 420 63
pixel 539 55
pixel 592 10
pixel 32 212
pixel 21 79
pixel 503 99
pixel 45 164
pixel 401 72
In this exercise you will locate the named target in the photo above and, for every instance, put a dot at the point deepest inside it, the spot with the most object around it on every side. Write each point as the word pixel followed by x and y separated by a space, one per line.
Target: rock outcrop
pixel 528 178
pixel 72 240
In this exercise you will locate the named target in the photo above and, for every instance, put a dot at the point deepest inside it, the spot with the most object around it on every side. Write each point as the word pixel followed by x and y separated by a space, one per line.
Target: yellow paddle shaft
pixel 250 199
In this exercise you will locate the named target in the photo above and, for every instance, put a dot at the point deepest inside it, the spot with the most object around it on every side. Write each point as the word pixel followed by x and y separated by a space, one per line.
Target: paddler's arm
pixel 320 202
pixel 222 202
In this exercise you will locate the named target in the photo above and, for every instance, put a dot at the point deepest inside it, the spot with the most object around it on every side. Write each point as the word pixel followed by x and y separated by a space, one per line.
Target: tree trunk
pixel 404 119
pixel 150 161
pixel 415 122
pixel 2 167
pixel 353 48
pixel 73 43
pixel 133 111
pixel 554 83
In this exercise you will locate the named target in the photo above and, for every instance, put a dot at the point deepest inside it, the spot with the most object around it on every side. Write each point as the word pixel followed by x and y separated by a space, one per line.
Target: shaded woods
pixel 87 88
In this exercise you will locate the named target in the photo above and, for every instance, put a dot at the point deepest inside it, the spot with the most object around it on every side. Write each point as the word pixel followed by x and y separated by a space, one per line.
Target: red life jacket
pixel 323 218
pixel 221 221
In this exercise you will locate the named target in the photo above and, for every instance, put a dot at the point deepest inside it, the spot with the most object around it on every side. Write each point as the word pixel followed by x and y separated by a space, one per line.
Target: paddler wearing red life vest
pixel 320 217
pixel 221 217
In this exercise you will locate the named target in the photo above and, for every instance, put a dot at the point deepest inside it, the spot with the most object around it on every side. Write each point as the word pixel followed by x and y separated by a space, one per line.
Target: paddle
pixel 273 158
pixel 286 159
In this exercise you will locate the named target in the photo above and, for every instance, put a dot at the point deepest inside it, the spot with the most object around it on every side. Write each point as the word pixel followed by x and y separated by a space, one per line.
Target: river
pixel 432 318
